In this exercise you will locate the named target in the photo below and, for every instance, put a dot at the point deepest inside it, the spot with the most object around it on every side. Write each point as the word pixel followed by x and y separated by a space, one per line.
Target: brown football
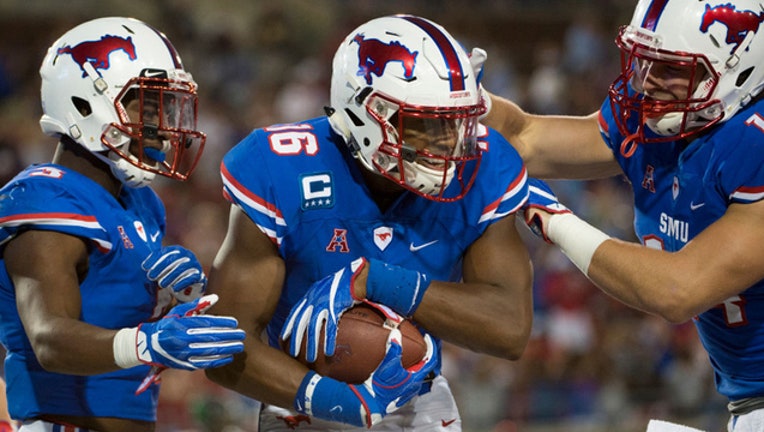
pixel 361 340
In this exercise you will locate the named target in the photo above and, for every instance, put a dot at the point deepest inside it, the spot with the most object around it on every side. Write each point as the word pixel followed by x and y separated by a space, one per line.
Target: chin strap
pixel 629 145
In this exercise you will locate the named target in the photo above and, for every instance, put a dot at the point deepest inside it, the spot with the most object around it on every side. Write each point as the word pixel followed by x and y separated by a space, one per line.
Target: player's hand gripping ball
pixel 361 340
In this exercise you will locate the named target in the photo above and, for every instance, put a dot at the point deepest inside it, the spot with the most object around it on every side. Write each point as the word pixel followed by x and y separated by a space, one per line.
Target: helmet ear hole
pixel 82 106
pixel 354 118
pixel 743 77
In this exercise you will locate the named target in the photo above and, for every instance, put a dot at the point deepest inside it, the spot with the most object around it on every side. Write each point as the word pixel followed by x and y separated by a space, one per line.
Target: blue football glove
pixel 396 287
pixel 176 268
pixel 387 389
pixel 324 303
pixel 187 339
pixel 541 197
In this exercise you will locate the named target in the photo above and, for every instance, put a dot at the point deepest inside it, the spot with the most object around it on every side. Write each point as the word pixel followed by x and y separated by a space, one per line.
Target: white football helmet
pixel 405 99
pixel 90 76
pixel 716 46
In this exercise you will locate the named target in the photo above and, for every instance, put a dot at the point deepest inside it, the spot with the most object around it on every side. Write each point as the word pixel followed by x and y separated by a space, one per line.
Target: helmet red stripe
pixel 654 12
pixel 456 74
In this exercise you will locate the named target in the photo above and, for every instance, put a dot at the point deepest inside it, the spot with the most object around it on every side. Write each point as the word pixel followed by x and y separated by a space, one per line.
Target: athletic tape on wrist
pixel 577 239
pixel 125 348
pixel 398 288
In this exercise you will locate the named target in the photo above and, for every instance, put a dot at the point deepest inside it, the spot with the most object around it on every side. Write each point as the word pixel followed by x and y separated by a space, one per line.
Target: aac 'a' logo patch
pixel 317 191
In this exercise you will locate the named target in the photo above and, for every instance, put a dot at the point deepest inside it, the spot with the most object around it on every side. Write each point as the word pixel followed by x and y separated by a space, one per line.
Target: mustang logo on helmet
pixel 738 23
pixel 97 52
pixel 374 55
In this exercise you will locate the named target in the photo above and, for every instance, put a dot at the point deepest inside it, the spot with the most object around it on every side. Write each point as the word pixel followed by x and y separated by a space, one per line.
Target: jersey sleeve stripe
pixel 748 194
pixel 85 226
pixel 271 234
pixel 267 231
pixel 69 219
pixel 249 199
pixel 511 197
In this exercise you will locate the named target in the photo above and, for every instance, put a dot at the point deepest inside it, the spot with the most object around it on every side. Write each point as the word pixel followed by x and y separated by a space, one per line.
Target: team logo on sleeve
pixel 317 191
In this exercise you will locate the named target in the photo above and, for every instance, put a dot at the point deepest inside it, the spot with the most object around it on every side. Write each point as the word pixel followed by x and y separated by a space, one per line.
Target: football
pixel 361 341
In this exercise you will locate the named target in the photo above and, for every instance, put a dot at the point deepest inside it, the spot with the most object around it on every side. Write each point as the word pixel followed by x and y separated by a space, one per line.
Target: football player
pixel 684 122
pixel 84 279
pixel 397 196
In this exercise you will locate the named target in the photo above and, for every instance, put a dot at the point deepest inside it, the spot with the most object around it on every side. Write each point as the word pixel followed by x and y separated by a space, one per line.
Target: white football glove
pixel 478 56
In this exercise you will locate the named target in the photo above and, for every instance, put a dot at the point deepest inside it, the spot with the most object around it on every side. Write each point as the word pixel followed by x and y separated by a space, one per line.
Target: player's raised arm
pixel 568 147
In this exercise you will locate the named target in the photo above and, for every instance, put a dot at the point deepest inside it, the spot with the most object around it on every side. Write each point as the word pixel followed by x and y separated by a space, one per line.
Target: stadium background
pixel 591 365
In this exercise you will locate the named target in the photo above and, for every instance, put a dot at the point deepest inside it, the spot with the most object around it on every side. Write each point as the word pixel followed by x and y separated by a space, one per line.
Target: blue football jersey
pixel 680 188
pixel 115 293
pixel 301 186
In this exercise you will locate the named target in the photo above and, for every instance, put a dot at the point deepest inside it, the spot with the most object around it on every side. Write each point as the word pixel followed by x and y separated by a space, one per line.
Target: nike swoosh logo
pixel 154 236
pixel 151 73
pixel 142 347
pixel 694 206
pixel 413 248
pixel 447 423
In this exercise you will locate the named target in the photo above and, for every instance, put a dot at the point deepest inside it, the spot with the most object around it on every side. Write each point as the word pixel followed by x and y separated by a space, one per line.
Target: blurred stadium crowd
pixel 591 365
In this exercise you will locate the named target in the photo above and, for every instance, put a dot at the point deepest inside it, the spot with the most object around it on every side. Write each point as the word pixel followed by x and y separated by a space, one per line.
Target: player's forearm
pixel 262 373
pixel 576 153
pixel 466 314
pixel 628 272
pixel 536 138
pixel 72 347
pixel 645 279
pixel 565 147
pixel 671 285
pixel 496 287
